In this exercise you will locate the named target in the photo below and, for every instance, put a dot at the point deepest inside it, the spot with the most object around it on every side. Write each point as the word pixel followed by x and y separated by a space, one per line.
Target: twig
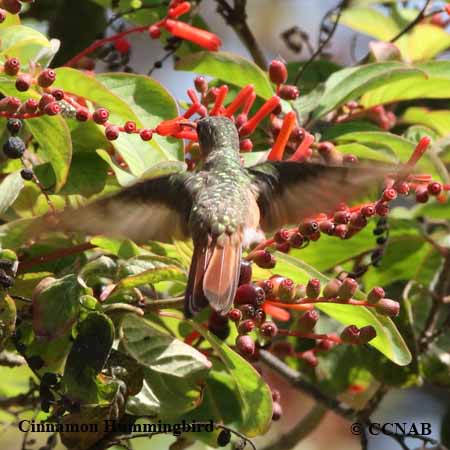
pixel 412 24
pixel 324 43
pixel 296 380
pixel 237 18
pixel 306 426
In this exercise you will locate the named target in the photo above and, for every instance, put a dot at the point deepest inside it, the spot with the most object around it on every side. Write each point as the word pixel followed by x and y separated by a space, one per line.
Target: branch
pixel 237 19
pixel 296 380
pixel 412 24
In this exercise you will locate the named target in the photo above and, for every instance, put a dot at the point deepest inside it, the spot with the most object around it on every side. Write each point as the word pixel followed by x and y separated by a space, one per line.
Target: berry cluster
pixel 378 114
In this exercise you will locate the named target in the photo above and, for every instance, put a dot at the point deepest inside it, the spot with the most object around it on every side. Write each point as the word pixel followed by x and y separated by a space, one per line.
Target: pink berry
pixel 288 92
pixel 269 329
pixel 246 145
pixel 347 289
pixel 52 109
pixel 389 195
pixel 45 100
pixel 11 66
pixel 101 116
pixel 388 307
pixel 129 127
pixel 82 115
pixel 245 345
pixel 307 321
pixel 201 84
pixel 154 31
pixel 146 134
pixel 375 295
pixel 112 132
pixel 23 82
pixel 435 188
pixel 278 72
pixel 46 78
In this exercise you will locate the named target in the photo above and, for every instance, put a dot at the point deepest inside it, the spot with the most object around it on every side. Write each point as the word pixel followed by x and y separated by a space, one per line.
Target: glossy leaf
pixel 10 189
pixel 228 67
pixel 254 395
pixel 388 341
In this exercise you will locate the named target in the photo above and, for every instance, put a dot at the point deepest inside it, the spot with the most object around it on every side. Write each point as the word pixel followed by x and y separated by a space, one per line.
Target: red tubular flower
pixel 420 149
pixel 303 150
pixel 220 98
pixel 193 96
pixel 179 10
pixel 249 103
pixel 294 306
pixel 262 112
pixel 277 313
pixel 289 122
pixel 242 97
pixel 169 127
pixel 186 134
pixel 203 38
pixel 192 110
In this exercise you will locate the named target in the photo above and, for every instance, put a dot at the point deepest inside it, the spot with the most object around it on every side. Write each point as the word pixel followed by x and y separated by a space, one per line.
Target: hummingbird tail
pixel 222 273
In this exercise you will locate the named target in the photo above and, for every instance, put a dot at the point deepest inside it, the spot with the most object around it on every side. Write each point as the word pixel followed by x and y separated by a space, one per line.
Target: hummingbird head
pixel 217 132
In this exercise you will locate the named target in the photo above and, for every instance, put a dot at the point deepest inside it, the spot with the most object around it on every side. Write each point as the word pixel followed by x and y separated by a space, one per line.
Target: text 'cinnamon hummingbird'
pixel 222 207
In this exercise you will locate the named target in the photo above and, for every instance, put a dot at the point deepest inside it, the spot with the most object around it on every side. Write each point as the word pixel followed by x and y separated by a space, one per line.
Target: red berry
pixel 264 259
pixel 368 210
pixel 288 92
pixel 332 288
pixel 308 227
pixel 249 294
pixel 201 84
pixel 422 195
pixel 245 345
pixel 240 120
pixel 246 326
pixel 46 78
pixel 286 290
pixel 52 109
pixel 235 315
pixel 12 6
pixel 342 217
pixel 366 334
pixel 327 227
pixel 129 127
pixel 350 335
pixel 246 145
pixel 341 231
pixel 310 358
pixel 31 106
pixel 347 289
pixel 382 209
pixel 11 66
pixel 45 100
pixel 260 317
pixel 82 115
pixel 112 132
pixel 269 329
pixel 101 116
pixel 267 286
pixel 350 159
pixel 402 188
pixel 388 307
pixel 122 45
pixel 23 82
pixel 313 288
pixel 146 134
pixel 307 321
pixel 389 195
pixel 248 311
pixel 278 72
pixel 154 31
pixel 296 240
pixel 58 94
pixel 10 104
pixel 435 188
pixel 375 295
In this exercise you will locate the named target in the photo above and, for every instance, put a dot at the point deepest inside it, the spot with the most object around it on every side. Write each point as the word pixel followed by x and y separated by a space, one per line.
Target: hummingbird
pixel 222 207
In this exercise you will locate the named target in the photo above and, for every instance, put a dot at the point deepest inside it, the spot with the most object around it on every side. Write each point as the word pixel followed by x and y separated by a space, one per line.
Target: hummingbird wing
pixel 154 209
pixel 289 191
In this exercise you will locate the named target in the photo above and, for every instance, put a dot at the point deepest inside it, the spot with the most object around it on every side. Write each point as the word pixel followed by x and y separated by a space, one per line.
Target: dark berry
pixel 49 379
pixel 82 115
pixel 27 174
pixel 288 92
pixel 23 82
pixel 249 294
pixel 201 84
pixel 46 78
pixel 14 147
pixel 224 438
pixel 35 362
pixel 278 72
pixel 402 188
pixel 245 274
pixel 58 94
pixel 11 66
pixel 14 126
pixel 248 311
pixel 389 195
pixel 283 247
pixel 281 236
pixel 6 281
pixel 10 104
pixel 260 317
pixel 12 6
pixel 112 132
pixel 313 288
pixel 100 116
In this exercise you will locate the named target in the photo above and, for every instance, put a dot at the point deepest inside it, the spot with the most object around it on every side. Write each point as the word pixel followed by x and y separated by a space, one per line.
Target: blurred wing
pixel 288 191
pixel 155 209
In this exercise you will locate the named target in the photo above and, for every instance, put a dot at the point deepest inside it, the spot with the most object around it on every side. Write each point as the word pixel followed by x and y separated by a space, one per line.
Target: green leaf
pixel 437 120
pixel 56 306
pixel 436 84
pixel 160 351
pixel 124 248
pixel 7 318
pixel 388 341
pixel 352 82
pixel 9 190
pixel 87 358
pixel 55 145
pixel 152 276
pixel 230 68
pixel 370 21
pixel 254 395
pixel 22 42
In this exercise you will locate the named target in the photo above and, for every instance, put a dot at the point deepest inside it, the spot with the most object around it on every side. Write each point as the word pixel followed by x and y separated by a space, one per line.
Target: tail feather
pixel 222 273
